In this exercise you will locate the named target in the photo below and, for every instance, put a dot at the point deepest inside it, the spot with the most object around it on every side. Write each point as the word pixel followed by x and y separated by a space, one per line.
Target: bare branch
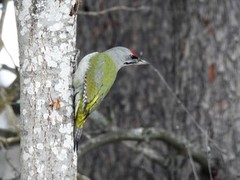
pixel 10 141
pixel 82 177
pixel 7 133
pixel 148 152
pixel 141 134
pixel 168 138
pixel 8 95
pixel 192 164
pixel 113 9
pixel 4 8
pixel 5 67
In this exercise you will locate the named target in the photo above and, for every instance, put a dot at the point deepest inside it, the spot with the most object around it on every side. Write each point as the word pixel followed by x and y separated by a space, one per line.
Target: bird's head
pixel 124 57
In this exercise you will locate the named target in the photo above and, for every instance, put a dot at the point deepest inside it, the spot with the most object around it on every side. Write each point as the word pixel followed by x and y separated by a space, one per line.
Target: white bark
pixel 46 40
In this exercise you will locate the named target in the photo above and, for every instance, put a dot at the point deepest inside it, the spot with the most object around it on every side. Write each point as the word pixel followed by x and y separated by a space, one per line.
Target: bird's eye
pixel 133 56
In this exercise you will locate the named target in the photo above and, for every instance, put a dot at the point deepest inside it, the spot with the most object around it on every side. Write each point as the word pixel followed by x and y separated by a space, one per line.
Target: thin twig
pixel 9 54
pixel 4 8
pixel 112 9
pixel 185 109
pixel 209 164
pixel 192 164
pixel 11 164
pixel 148 152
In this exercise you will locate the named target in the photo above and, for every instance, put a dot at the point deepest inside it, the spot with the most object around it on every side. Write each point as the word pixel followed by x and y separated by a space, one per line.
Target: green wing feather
pixel 98 80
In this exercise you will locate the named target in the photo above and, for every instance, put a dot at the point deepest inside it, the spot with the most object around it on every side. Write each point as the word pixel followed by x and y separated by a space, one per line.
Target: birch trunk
pixel 46 41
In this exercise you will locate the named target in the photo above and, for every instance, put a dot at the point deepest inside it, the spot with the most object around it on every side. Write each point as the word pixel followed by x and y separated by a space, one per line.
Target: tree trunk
pixel 195 45
pixel 46 42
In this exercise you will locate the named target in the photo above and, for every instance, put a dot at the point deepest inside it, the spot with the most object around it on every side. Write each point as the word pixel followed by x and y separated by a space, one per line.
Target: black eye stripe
pixel 129 63
pixel 134 57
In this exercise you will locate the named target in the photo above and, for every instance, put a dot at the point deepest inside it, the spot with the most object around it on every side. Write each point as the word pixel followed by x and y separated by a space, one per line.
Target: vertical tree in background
pixel 195 45
pixel 46 41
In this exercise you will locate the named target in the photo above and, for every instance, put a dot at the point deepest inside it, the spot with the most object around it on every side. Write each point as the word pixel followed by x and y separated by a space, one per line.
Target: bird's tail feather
pixel 77 136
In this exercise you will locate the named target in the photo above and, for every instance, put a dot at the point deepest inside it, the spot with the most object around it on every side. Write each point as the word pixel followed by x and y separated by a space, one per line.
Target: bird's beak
pixel 142 62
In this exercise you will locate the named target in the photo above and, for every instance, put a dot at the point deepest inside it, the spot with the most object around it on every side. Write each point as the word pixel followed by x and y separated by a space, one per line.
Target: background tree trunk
pixel 46 42
pixel 195 45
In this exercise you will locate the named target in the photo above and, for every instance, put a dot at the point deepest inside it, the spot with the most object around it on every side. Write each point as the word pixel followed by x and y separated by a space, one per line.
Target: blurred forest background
pixel 195 46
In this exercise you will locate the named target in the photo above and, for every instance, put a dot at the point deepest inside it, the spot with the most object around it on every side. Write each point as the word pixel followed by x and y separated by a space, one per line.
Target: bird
pixel 92 80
